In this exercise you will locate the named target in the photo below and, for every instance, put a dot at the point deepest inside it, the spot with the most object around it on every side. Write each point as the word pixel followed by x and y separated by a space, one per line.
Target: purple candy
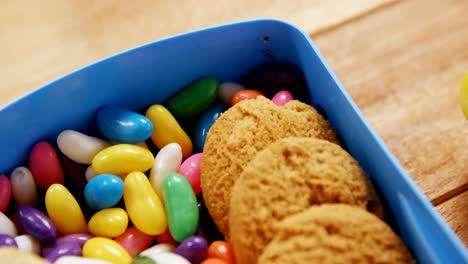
pixel 37 224
pixel 193 249
pixel 64 249
pixel 80 239
pixel 7 241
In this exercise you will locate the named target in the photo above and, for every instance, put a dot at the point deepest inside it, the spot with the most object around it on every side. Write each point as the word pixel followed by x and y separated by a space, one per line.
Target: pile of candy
pixel 90 201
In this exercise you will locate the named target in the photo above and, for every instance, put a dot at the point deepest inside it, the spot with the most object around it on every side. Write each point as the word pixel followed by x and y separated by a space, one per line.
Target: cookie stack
pixel 282 190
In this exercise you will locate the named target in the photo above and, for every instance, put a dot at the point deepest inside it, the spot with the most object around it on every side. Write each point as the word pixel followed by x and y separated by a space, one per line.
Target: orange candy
pixel 244 95
pixel 221 250
pixel 214 261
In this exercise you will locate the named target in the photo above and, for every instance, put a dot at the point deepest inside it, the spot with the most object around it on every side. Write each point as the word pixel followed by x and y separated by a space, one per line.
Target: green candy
pixel 194 99
pixel 181 206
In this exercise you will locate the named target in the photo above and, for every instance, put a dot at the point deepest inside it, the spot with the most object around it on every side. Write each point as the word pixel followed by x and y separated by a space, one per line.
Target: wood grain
pixel 454 210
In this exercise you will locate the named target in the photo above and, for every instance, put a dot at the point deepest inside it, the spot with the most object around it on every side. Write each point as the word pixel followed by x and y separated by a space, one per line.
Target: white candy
pixel 156 249
pixel 227 91
pixel 168 160
pixel 168 258
pixel 90 173
pixel 23 186
pixel 6 226
pixel 27 243
pixel 79 147
pixel 80 260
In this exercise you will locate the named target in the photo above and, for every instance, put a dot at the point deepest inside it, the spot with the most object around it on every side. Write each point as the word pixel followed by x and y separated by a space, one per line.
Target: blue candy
pixel 103 191
pixel 120 125
pixel 205 123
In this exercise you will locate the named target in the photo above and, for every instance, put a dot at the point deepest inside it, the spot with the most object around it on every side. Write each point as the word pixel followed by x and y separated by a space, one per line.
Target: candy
pixel 80 260
pixel 64 249
pixel 244 95
pixel 167 130
pixel 156 249
pixel 122 159
pixel 134 241
pixel 6 226
pixel 214 261
pixel 79 147
pixel 36 224
pixel 103 191
pixel 144 207
pixel 221 250
pixel 90 173
pixel 282 97
pixel 167 258
pixel 64 211
pixel 121 125
pixel 5 193
pixel 106 249
pixel 23 186
pixel 7 241
pixel 167 160
pixel 227 91
pixel 193 248
pixel 190 169
pixel 166 237
pixel 464 96
pixel 204 124
pixel 45 166
pixel 27 243
pixel 194 99
pixel 181 206
pixel 110 222
pixel 80 239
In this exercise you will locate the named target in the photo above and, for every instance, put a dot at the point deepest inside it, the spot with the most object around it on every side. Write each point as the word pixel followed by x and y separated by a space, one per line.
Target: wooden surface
pixel 401 61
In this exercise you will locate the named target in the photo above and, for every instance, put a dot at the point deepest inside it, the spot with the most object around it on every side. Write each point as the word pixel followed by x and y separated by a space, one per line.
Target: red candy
pixel 166 237
pixel 134 241
pixel 45 165
pixel 5 193
pixel 214 261
pixel 244 95
pixel 222 250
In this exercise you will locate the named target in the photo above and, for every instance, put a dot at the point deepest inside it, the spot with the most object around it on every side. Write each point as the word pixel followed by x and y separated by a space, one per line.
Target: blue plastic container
pixel 153 72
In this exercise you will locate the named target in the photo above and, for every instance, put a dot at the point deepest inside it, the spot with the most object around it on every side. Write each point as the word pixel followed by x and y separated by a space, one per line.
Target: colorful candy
pixel 214 261
pixel 156 249
pixel 167 130
pixel 193 249
pixel 63 249
pixel 167 258
pixel 181 206
pixel 221 250
pixel 103 191
pixel 23 186
pixel 190 169
pixel 110 222
pixel 64 211
pixel 282 97
pixel 204 124
pixel 166 238
pixel 79 147
pixel 143 205
pixel 80 239
pixel 120 125
pixel 122 159
pixel 80 260
pixel 37 224
pixel 27 243
pixel 168 160
pixel 45 165
pixel 6 226
pixel 134 241
pixel 245 95
pixel 7 241
pixel 5 193
pixel 227 91
pixel 194 99
pixel 106 249
pixel 90 173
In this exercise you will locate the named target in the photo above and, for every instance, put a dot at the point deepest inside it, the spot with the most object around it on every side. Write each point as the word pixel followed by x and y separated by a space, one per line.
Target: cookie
pixel 12 255
pixel 334 233
pixel 242 131
pixel 286 178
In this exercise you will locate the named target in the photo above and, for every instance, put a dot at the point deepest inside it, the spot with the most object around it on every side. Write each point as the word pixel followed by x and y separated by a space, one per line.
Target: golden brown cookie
pixel 242 131
pixel 286 178
pixel 334 233
pixel 12 255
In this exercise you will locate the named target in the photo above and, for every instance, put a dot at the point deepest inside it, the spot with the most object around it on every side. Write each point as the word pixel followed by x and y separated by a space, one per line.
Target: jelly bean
pixel 5 193
pixel 193 248
pixel 64 249
pixel 245 95
pixel 167 160
pixel 142 260
pixel 181 206
pixel 194 99
pixel 167 130
pixel 134 241
pixel 7 241
pixel 27 243
pixel 121 125
pixel 64 210
pixel 214 261
pixel 23 186
pixel 36 224
pixel 45 166
pixel 227 91
pixel 222 250
pixel 103 191
pixel 464 96
pixel 90 173
pixel 110 222
pixel 143 205
pixel 159 248
pixel 106 249
pixel 80 260
pixel 122 159
pixel 190 169
pixel 79 147
pixel 167 258
pixel 166 238
pixel 282 97
pixel 80 239
pixel 140 144
pixel 204 124
pixel 6 226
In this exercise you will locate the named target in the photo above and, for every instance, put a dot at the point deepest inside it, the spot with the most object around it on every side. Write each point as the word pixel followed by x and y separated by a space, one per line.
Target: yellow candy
pixel 122 159
pixel 64 210
pixel 106 249
pixel 144 207
pixel 166 130
pixel 464 96
pixel 110 222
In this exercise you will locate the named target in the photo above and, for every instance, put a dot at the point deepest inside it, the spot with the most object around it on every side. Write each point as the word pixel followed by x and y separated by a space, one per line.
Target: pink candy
pixel 282 97
pixel 190 169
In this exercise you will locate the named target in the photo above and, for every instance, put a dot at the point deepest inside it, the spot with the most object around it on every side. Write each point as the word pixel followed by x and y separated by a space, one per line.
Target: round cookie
pixel 334 233
pixel 12 255
pixel 242 131
pixel 286 178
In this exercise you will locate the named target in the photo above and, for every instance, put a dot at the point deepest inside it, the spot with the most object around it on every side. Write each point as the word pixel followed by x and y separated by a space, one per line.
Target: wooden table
pixel 402 62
